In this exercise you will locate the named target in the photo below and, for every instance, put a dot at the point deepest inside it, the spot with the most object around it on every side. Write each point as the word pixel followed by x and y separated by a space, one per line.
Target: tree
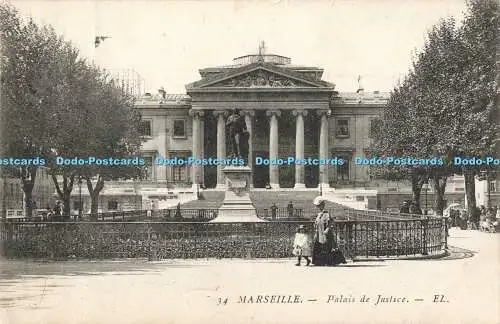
pixel 436 109
pixel 55 103
pixel 27 52
pixel 477 87
pixel 396 137
pixel 103 125
pixel 446 106
pixel 115 133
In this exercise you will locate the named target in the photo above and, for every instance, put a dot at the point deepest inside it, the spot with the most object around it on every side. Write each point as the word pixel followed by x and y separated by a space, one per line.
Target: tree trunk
pixel 28 176
pixel 94 195
pixel 439 188
pixel 4 196
pixel 66 204
pixel 94 206
pixel 418 178
pixel 27 201
pixel 470 189
pixel 64 193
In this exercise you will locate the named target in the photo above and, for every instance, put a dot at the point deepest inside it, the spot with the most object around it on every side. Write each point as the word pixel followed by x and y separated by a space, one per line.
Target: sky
pixel 167 42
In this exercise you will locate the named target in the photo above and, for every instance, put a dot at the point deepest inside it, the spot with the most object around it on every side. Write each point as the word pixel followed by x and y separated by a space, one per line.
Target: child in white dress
pixel 302 245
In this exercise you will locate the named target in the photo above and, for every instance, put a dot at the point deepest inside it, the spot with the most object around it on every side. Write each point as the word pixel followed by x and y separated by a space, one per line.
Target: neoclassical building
pixel 289 110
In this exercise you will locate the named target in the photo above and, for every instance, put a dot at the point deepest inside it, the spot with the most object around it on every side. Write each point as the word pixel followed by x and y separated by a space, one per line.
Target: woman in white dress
pixel 302 245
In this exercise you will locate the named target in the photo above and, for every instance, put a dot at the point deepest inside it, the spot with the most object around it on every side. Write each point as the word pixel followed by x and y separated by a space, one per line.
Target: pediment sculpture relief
pixel 261 79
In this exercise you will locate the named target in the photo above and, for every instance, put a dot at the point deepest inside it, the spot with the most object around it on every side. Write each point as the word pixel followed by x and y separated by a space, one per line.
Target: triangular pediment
pixel 259 76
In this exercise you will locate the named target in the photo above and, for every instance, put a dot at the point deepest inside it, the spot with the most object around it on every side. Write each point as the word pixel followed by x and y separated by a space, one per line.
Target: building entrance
pixel 260 172
pixel 311 178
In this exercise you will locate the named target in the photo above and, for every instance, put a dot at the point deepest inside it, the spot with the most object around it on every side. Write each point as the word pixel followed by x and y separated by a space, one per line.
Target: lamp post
pixel 485 176
pixel 426 188
pixel 4 196
pixel 320 184
pixel 80 203
pixel 488 187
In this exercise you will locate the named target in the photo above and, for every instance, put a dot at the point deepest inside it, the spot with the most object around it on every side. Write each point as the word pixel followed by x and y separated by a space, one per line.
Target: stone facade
pixel 290 112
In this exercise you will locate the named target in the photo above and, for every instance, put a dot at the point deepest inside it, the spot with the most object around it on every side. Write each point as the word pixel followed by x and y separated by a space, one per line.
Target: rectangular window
pixel 493 186
pixel 112 205
pixel 342 128
pixel 145 128
pixel 76 205
pixel 180 173
pixel 343 170
pixel 179 128
pixel 147 171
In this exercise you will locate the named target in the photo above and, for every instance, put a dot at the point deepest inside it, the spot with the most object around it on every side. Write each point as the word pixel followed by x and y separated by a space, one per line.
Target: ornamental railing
pixel 207 214
pixel 359 239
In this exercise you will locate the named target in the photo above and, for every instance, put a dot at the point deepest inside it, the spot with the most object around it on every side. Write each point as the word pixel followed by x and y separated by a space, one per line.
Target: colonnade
pixel 273 116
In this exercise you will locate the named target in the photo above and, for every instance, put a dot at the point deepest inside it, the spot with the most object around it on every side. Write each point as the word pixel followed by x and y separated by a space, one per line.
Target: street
pixel 461 288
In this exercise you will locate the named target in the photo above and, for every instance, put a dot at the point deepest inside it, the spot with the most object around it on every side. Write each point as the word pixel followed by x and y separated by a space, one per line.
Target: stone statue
pixel 238 136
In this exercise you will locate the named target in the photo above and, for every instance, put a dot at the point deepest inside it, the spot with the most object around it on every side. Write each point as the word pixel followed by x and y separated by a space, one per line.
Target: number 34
pixel 222 301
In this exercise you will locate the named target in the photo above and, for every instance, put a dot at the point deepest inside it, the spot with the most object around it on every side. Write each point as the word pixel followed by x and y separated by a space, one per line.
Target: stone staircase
pixel 264 199
pixel 209 199
pixel 300 199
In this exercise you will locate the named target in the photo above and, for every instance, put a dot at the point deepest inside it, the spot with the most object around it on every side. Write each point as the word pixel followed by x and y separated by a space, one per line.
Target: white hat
pixel 318 200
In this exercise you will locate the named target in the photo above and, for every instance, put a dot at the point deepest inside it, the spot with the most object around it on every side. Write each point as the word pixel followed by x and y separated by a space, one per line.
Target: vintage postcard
pixel 232 161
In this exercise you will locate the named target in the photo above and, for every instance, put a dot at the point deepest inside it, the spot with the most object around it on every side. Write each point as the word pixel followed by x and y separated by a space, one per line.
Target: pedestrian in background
pixel 274 211
pixel 290 209
pixel 405 209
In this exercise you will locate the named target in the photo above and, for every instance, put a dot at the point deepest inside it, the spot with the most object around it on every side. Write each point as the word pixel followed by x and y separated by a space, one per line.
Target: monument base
pixel 237 205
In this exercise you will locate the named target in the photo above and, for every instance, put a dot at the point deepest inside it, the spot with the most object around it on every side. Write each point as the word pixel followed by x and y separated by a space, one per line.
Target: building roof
pixel 169 100
pixel 363 97
pixel 298 74
pixel 270 60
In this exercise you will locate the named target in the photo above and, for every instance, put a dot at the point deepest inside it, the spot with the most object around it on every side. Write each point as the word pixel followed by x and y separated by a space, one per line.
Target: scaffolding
pixel 129 80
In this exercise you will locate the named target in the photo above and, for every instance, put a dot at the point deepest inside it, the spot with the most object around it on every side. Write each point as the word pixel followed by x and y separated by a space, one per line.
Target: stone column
pixel 201 143
pixel 161 171
pixel 196 151
pixel 323 148
pixel 299 148
pixel 249 115
pixel 274 176
pixel 221 146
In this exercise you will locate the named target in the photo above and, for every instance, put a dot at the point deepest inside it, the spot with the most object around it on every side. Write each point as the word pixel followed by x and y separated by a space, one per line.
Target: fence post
pixel 349 241
pixel 425 223
pixel 445 221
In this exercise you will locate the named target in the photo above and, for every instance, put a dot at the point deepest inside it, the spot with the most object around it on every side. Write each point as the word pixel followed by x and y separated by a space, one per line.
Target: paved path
pixel 462 288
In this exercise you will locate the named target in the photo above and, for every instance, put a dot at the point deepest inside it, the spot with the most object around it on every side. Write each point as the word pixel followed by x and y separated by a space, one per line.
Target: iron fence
pixel 207 214
pixel 167 240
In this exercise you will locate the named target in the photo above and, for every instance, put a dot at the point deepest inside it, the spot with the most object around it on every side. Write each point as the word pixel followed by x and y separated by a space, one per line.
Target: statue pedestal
pixel 237 206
